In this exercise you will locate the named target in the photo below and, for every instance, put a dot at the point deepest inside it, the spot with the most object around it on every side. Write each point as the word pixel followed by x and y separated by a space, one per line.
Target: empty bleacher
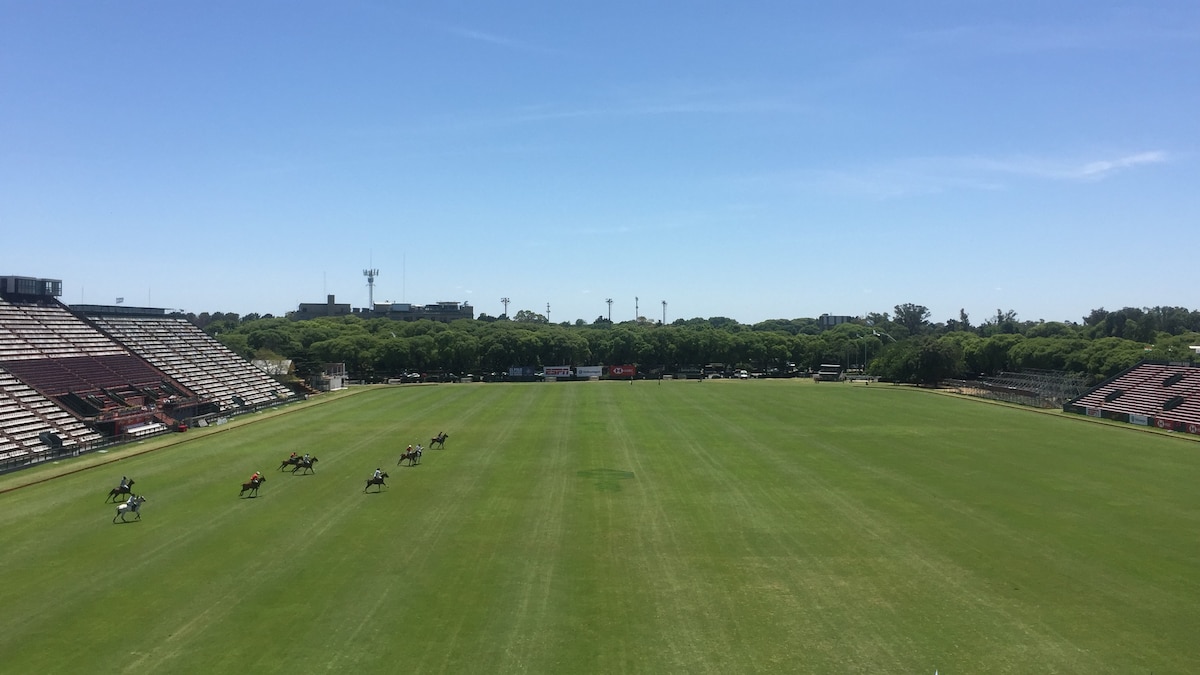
pixel 1149 390
pixel 44 328
pixel 74 381
pixel 194 359
pixel 25 415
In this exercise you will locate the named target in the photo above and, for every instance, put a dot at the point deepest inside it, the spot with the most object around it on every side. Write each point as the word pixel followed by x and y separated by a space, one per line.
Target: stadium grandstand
pixel 1152 393
pixel 74 379
pixel 1037 388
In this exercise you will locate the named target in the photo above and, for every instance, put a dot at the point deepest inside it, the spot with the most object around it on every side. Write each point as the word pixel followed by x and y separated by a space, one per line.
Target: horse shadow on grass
pixel 607 480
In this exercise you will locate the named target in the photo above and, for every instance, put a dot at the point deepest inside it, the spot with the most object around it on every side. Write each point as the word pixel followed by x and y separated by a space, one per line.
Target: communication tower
pixel 370 274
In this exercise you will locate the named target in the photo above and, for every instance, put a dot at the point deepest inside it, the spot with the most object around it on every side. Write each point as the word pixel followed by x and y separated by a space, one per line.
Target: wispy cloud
pixel 933 175
pixel 1119 30
pixel 1073 170
pixel 500 40
pixel 661 107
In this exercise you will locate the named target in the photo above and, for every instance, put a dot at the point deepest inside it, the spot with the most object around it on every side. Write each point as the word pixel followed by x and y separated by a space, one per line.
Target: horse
pixel 376 481
pixel 290 461
pixel 306 465
pixel 120 490
pixel 413 456
pixel 124 508
pixel 252 486
pixel 439 440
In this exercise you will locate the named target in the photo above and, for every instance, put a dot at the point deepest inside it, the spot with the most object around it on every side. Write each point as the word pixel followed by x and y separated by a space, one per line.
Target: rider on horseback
pixel 307 457
pixel 255 477
pixel 124 483
pixel 378 474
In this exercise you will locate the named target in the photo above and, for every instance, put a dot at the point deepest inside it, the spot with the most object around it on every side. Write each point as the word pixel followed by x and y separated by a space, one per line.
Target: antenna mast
pixel 370 274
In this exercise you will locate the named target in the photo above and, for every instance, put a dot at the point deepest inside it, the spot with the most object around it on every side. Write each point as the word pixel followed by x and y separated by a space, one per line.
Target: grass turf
pixel 605 527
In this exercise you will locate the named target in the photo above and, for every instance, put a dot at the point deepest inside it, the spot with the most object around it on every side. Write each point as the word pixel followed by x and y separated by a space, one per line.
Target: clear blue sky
pixel 751 160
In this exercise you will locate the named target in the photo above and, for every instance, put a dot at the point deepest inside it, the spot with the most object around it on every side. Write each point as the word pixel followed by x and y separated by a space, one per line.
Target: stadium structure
pixel 1152 393
pixel 79 378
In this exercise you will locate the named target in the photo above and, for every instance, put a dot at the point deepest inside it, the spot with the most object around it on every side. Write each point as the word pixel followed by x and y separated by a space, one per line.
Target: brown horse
pixel 439 440
pixel 290 461
pixel 252 487
pixel 413 456
pixel 307 465
pixel 120 490
pixel 376 481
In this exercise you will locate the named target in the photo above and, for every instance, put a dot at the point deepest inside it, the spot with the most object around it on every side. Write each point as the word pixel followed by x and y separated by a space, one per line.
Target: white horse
pixel 125 508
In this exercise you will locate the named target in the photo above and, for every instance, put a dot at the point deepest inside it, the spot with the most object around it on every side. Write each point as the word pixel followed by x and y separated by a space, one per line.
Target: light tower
pixel 636 316
pixel 609 301
pixel 505 301
pixel 370 274
pixel 664 313
pixel 547 312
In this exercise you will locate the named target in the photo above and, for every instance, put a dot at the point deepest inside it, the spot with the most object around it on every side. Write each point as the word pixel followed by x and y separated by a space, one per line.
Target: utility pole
pixel 664 321
pixel 505 301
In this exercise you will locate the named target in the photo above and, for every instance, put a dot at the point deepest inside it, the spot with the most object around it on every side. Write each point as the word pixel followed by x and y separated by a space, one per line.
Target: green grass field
pixel 683 527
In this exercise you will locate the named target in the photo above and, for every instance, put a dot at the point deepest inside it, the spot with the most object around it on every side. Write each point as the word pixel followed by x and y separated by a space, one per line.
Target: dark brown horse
pixel 376 481
pixel 290 461
pixel 306 464
pixel 439 440
pixel 120 490
pixel 413 456
pixel 252 486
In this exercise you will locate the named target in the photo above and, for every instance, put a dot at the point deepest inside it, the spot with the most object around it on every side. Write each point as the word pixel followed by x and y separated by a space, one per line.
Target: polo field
pixel 653 527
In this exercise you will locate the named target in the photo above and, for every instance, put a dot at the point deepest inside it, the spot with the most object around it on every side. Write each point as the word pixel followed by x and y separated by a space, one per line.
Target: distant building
pixel 312 310
pixel 440 311
pixel 398 311
pixel 827 321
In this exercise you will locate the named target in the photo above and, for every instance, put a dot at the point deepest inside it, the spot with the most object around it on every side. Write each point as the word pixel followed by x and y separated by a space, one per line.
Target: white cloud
pixel 500 40
pixel 932 175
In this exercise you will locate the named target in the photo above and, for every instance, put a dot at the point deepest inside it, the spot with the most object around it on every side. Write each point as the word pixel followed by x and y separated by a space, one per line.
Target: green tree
pixel 914 318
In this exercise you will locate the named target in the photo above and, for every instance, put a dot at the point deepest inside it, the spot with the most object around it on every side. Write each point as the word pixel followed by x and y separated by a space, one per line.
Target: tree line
pixel 902 345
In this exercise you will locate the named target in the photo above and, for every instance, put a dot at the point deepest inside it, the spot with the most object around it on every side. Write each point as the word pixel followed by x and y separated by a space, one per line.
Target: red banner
pixel 622 371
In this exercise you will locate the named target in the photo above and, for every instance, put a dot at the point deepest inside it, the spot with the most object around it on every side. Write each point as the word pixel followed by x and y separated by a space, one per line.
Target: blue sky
pixel 754 160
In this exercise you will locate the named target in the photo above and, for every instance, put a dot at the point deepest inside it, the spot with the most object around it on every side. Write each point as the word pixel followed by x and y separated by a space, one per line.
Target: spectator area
pixel 193 358
pixel 1165 394
pixel 25 415
pixel 45 329
pixel 73 381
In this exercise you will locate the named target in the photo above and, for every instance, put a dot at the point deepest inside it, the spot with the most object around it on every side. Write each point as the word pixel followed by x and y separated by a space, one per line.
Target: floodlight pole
pixel 609 301
pixel 505 301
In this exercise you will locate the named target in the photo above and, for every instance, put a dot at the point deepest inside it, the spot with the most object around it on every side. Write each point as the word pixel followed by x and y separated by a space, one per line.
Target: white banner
pixel 1139 419
pixel 589 371
pixel 557 371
